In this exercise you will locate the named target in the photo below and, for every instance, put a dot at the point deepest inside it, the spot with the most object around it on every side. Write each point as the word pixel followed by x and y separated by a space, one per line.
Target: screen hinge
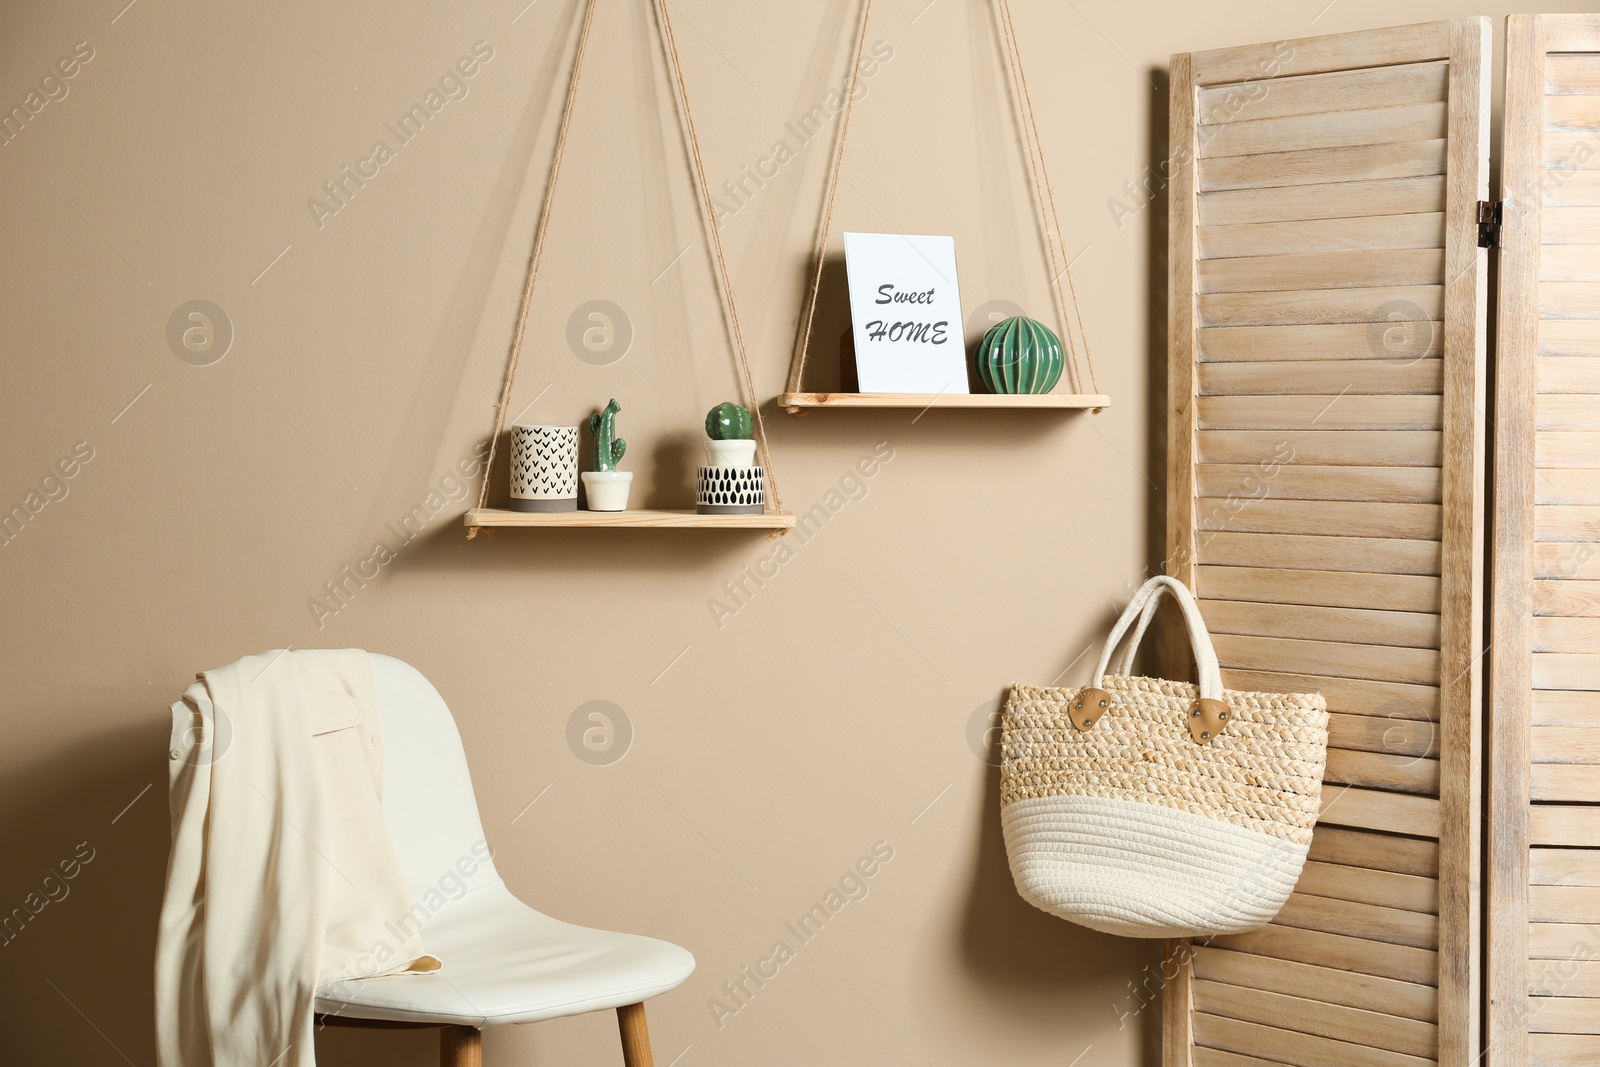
pixel 1490 212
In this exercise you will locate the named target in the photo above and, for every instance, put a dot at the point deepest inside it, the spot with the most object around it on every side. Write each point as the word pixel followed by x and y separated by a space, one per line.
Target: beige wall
pixel 832 712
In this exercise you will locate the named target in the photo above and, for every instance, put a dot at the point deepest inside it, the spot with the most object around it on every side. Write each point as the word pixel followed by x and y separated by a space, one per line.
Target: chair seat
pixel 504 962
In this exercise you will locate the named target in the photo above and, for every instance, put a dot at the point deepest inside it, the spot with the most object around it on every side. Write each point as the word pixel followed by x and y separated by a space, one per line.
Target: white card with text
pixel 905 313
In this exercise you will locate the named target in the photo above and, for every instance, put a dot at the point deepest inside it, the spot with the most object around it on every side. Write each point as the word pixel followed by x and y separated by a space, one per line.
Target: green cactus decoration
pixel 1019 355
pixel 728 422
pixel 608 447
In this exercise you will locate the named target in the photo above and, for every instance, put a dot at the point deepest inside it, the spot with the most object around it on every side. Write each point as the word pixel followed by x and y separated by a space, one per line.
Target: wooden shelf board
pixel 633 518
pixel 793 402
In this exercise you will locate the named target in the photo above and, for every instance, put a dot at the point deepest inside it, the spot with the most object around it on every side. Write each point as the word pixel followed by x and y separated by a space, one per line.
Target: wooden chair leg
pixel 460 1046
pixel 635 1036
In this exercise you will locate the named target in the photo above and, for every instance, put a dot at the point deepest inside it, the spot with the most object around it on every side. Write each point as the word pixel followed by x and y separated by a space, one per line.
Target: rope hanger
pixel 1048 217
pixel 703 203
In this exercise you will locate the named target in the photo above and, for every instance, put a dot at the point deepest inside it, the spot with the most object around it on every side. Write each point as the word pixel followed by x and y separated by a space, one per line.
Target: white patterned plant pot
pixel 544 468
pixel 730 491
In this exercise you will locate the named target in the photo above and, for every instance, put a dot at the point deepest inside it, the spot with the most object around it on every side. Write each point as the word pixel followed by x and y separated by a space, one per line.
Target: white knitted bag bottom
pixel 1142 870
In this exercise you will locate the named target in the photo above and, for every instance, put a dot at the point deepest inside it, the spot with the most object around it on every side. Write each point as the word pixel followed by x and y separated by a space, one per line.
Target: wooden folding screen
pixel 1544 869
pixel 1325 503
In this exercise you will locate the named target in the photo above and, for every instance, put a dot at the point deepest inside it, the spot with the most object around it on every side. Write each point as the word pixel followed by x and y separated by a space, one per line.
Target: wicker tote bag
pixel 1153 808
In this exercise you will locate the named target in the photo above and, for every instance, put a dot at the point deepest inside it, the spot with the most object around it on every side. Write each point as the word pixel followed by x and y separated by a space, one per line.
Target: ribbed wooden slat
pixel 1388 734
pixel 1578 188
pixel 1307 552
pixel 1563 784
pixel 1295 1049
pixel 1382 770
pixel 1306 307
pixel 1570 486
pixel 1564 1015
pixel 1401 340
pixel 1330 378
pixel 1569 113
pixel 1401 892
pixel 1400 448
pixel 1360 955
pixel 1560 866
pixel 1322 412
pixel 1563 1050
pixel 1320 588
pixel 1573 263
pixel 1247 135
pixel 1567 412
pixel 1355 90
pixel 1569 337
pixel 1322 270
pixel 1570 225
pixel 1563 903
pixel 1346 518
pixel 1364 163
pixel 1354 234
pixel 1569 374
pixel 1372 809
pixel 1563 708
pixel 1356 695
pixel 1565 941
pixel 1339 200
pixel 1380 852
pixel 1577 73
pixel 1330 985
pixel 1396 485
pixel 1569 151
pixel 1563 826
pixel 1362 626
pixel 1317 1017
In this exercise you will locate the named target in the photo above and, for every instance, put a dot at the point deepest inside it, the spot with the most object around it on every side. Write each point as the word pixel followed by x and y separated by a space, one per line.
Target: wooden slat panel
pixel 1380 852
pixel 1570 225
pixel 1304 552
pixel 1569 374
pixel 1572 74
pixel 1330 378
pixel 1247 134
pixel 1560 670
pixel 1569 151
pixel 1568 337
pixel 1338 200
pixel 1561 866
pixel 1216 1057
pixel 1572 263
pixel 1565 941
pixel 1360 955
pixel 1562 826
pixel 1401 341
pixel 1319 588
pixel 1563 560
pixel 1559 708
pixel 1571 486
pixel 1580 599
pixel 1366 163
pixel 1382 770
pixel 1566 448
pixel 1413 83
pixel 1570 785
pixel 1314 1016
pixel 1339 52
pixel 1565 744
pixel 1564 1015
pixel 1572 411
pixel 1369 809
pixel 1555 634
pixel 1358 696
pixel 1323 270
pixel 1331 986
pixel 1563 1050
pixel 1407 629
pixel 1324 412
pixel 1355 234
pixel 1565 113
pixel 1398 485
pixel 1570 188
pixel 1296 1050
pixel 1400 448
pixel 1314 306
pixel 1343 518
pixel 1570 300
pixel 1392 735
pixel 1563 903
pixel 1567 522
pixel 1563 978
pixel 1383 663
pixel 1401 892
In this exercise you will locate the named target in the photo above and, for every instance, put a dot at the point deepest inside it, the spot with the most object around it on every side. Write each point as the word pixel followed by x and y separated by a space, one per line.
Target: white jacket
pixel 282 875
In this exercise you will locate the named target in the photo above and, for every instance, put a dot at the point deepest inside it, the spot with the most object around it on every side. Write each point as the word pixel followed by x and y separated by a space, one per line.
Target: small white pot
pixel 607 490
pixel 730 453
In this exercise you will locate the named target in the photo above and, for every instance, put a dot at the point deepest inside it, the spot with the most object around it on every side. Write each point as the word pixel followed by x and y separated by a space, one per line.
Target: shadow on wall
pixel 85 835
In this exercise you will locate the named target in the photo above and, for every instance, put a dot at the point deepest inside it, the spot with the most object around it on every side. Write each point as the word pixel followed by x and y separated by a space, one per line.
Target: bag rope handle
pixel 1148 596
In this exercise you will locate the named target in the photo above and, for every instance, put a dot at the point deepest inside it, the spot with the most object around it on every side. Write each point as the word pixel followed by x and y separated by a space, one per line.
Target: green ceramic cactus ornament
pixel 728 422
pixel 1020 355
pixel 608 447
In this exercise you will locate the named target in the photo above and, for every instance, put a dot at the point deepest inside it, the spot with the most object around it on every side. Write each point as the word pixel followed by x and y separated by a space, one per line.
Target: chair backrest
pixel 428 801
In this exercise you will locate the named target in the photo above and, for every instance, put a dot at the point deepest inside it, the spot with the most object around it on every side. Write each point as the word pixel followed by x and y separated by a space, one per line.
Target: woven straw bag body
pixel 1153 808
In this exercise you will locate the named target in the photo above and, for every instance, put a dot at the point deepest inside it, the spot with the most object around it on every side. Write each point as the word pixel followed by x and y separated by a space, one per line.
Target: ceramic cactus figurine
pixel 728 422
pixel 608 447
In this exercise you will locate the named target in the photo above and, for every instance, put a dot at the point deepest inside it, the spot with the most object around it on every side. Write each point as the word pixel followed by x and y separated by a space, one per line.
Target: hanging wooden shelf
pixel 775 519
pixel 796 401
pixel 635 519
pixel 799 403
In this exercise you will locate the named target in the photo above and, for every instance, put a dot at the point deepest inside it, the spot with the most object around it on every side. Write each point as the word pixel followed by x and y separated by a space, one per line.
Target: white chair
pixel 504 962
